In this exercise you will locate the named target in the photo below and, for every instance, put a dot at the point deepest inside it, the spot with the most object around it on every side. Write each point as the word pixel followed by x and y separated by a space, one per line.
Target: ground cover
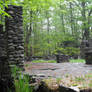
pixel 54 61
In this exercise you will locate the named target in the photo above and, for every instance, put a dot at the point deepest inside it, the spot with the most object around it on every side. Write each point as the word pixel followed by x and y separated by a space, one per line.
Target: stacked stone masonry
pixel 2 42
pixel 62 58
pixel 86 50
pixel 11 45
pixel 14 28
pixel 5 74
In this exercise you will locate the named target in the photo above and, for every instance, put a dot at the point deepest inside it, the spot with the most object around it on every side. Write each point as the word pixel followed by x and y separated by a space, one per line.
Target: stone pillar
pixel 88 57
pixel 86 50
pixel 5 74
pixel 84 44
pixel 3 55
pixel 14 28
pixel 2 42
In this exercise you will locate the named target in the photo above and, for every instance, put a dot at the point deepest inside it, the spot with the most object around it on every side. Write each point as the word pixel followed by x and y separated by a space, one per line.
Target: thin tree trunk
pixel 28 35
pixel 85 23
pixel 71 18
pixel 48 29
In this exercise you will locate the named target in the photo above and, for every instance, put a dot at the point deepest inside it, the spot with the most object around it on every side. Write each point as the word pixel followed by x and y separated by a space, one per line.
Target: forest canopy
pixel 52 24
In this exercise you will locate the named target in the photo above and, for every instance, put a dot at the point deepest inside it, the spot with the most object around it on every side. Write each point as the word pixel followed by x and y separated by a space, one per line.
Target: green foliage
pixel 21 81
pixel 77 60
pixel 58 80
pixel 54 61
pixel 63 18
pixel 38 54
pixel 5 3
pixel 71 51
pixel 44 61
pixel 79 79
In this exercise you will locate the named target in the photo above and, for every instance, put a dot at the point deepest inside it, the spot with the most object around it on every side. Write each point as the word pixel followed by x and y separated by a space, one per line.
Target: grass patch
pixel 77 60
pixel 43 61
pixel 54 61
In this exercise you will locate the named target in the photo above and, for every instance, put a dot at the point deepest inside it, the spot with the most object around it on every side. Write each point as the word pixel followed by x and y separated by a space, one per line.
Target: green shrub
pixel 77 60
pixel 71 51
pixel 38 54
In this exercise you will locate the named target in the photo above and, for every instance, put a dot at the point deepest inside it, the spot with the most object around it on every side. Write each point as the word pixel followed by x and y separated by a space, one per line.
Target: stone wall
pixel 5 74
pixel 84 44
pixel 62 58
pixel 2 42
pixel 11 46
pixel 86 50
pixel 14 28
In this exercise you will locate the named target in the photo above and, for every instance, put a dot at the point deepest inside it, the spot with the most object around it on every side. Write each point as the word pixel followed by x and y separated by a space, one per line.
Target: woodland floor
pixel 57 70
pixel 69 74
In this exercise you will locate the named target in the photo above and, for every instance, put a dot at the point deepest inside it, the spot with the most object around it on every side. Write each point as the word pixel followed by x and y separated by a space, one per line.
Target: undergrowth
pixel 21 81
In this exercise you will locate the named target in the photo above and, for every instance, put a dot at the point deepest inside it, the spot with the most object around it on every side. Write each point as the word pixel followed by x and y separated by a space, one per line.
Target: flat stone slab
pixel 57 70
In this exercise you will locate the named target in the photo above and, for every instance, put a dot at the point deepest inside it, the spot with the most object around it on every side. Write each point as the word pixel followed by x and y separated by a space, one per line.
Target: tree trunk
pixel 71 19
pixel 85 28
pixel 28 35
pixel 48 29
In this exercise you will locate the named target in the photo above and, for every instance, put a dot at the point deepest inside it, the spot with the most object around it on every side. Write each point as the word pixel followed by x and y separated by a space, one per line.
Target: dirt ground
pixel 57 70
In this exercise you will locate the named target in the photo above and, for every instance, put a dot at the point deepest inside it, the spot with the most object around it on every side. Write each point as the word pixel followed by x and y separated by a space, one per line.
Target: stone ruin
pixel 86 50
pixel 62 58
pixel 11 45
pixel 5 76
pixel 14 35
pixel 86 53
